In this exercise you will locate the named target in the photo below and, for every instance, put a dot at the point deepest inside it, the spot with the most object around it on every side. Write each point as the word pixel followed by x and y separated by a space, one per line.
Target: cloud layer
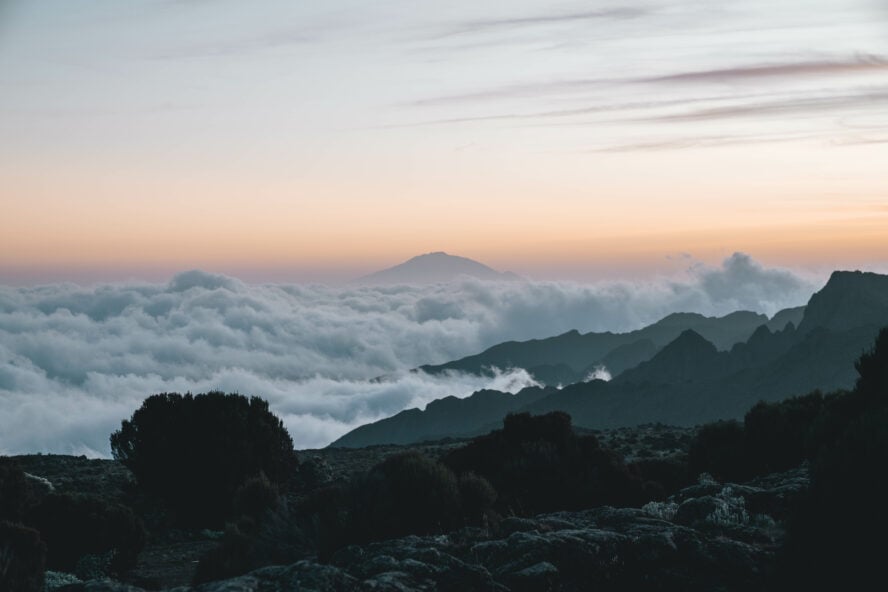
pixel 74 361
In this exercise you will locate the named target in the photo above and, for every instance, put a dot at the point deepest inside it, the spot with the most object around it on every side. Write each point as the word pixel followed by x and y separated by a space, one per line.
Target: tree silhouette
pixel 194 451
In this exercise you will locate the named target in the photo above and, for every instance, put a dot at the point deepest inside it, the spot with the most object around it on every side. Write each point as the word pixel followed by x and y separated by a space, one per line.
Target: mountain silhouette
pixel 850 299
pixel 688 381
pixel 572 356
pixel 434 268
pixel 689 357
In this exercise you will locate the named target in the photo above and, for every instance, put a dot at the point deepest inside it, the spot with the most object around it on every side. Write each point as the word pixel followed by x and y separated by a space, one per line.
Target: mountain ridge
pixel 571 356
pixel 690 381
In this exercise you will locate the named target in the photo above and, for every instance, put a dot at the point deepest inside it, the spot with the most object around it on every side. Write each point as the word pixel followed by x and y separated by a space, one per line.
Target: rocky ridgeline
pixel 710 536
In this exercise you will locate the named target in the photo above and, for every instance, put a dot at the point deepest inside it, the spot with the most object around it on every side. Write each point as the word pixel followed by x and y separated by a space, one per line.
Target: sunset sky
pixel 291 141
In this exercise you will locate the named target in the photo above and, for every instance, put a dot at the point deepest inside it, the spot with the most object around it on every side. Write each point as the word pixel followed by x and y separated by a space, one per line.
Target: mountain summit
pixel 849 299
pixel 434 268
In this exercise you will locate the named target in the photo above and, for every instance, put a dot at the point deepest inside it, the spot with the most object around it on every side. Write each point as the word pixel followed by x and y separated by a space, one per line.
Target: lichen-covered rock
pixel 57 579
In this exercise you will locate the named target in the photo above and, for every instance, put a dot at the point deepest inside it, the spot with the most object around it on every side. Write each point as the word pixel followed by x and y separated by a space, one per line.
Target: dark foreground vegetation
pixel 792 497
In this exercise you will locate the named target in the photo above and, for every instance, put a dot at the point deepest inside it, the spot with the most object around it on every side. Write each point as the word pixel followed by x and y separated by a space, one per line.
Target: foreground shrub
pixel 196 451
pixel 872 368
pixel 22 559
pixel 404 494
pixel 323 516
pixel 477 495
pixel 538 464
pixel 73 526
pixel 720 450
pixel 836 540
pixel 778 435
pixel 662 476
pixel 230 559
pixel 16 493
pixel 256 497
pixel 272 537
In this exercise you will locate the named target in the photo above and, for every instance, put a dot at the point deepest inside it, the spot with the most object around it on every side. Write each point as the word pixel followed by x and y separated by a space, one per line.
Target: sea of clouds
pixel 75 361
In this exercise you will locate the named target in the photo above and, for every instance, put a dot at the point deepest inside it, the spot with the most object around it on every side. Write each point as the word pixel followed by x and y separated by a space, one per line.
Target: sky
pixel 318 141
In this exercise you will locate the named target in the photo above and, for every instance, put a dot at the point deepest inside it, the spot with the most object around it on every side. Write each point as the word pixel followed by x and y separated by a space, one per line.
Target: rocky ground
pixel 710 536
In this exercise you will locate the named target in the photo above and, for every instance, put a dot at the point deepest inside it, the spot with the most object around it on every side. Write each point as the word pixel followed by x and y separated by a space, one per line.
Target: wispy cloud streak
pixel 857 65
pixel 487 25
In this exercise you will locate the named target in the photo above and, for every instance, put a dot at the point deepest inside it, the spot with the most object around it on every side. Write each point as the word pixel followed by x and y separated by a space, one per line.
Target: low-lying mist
pixel 74 361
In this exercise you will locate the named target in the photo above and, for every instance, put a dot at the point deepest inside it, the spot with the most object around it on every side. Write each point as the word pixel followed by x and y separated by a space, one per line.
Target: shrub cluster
pixel 835 540
pixel 266 532
pixel 73 526
pixel 17 495
pixel 538 464
pixel 195 451
pixel 779 436
pixel 404 494
pixel 662 477
pixel 411 494
pixel 773 437
pixel 22 557
pixel 67 528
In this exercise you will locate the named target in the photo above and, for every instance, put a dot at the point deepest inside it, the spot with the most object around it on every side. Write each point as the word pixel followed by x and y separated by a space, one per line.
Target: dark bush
pixel 256 497
pixel 538 464
pixel 836 540
pixel 670 474
pixel 404 494
pixel 720 450
pixel 76 525
pixel 778 435
pixel 872 368
pixel 478 497
pixel 230 559
pixel 274 538
pixel 16 493
pixel 323 517
pixel 554 428
pixel 195 451
pixel 22 558
pixel 838 411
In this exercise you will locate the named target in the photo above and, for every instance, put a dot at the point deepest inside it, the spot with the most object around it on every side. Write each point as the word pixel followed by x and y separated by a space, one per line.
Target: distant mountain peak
pixel 688 356
pixel 435 267
pixel 689 341
pixel 849 299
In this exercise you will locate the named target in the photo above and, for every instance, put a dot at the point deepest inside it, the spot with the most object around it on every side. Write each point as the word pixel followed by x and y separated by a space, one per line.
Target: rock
pixel 57 579
pixel 540 577
pixel 711 510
